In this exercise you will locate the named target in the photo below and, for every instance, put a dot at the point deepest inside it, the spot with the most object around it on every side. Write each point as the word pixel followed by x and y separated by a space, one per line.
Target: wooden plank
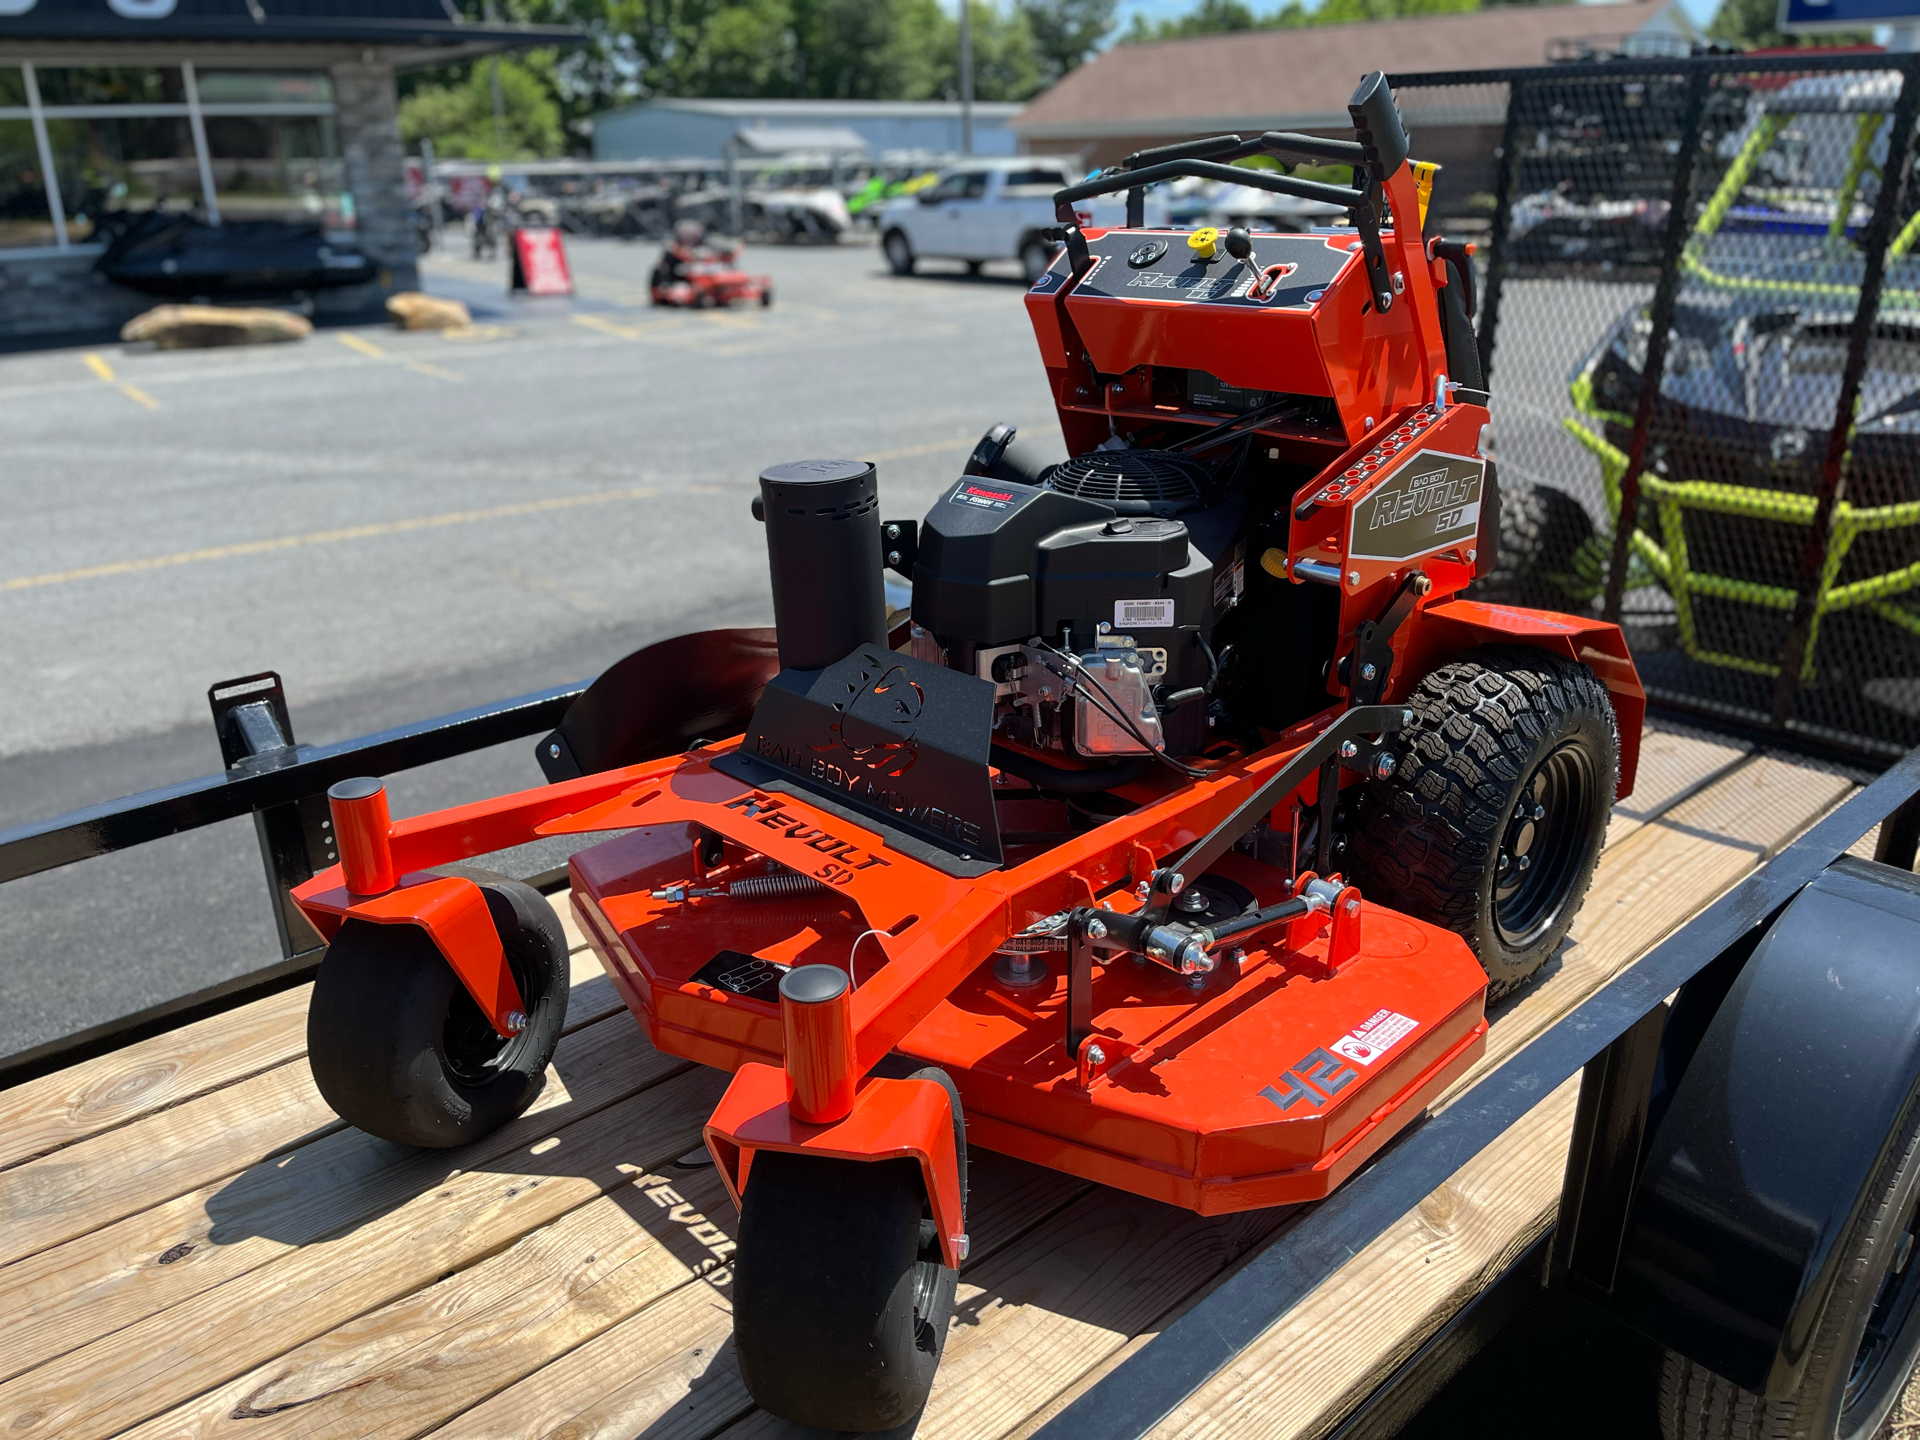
pixel 1675 763
pixel 1302 1375
pixel 669 1370
pixel 161 1361
pixel 94 1182
pixel 154 1074
pixel 111 1090
pixel 402 1368
pixel 97 1283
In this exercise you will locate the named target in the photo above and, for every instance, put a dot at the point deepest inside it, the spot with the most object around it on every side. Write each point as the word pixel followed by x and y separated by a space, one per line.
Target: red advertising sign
pixel 540 261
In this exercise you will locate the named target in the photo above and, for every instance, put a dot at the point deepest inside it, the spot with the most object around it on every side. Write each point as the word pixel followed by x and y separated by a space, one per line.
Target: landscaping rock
pixel 187 327
pixel 413 311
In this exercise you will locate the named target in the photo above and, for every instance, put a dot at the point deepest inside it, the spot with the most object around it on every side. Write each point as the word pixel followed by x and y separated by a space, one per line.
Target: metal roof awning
pixel 784 139
pixel 431 29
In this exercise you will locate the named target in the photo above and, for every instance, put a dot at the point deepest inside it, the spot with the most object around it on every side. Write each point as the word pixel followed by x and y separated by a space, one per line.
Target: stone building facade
pixel 238 110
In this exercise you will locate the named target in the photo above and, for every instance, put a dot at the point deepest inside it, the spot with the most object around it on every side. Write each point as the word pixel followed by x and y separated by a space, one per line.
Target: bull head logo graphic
pixel 878 721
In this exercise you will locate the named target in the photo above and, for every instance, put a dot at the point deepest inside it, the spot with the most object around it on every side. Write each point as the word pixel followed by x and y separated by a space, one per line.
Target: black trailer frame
pixel 1611 1040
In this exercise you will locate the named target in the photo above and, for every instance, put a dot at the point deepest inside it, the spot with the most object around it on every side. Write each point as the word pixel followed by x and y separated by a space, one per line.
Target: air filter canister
pixel 823 546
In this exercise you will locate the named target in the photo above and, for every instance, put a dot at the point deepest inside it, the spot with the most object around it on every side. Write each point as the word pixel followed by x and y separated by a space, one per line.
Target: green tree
pixel 1066 32
pixel 459 118
pixel 1006 63
pixel 1209 17
pixel 1750 24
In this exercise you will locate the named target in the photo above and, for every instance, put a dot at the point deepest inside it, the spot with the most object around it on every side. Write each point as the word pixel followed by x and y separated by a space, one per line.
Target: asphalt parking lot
pixel 402 525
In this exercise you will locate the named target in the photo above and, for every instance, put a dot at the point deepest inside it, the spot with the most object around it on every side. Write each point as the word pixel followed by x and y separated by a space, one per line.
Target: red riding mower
pixel 1176 840
pixel 694 274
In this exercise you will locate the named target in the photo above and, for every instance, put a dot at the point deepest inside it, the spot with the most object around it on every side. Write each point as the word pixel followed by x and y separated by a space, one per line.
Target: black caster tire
pixel 841 1298
pixel 1541 531
pixel 1452 837
pixel 400 1050
pixel 899 252
pixel 1866 1343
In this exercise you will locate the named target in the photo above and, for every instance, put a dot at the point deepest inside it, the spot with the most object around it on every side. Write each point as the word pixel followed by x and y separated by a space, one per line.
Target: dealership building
pixel 233 110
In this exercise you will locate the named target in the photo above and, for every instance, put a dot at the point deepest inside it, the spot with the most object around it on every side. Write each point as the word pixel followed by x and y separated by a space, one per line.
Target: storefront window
pixel 24 217
pixel 264 87
pixel 110 140
pixel 281 167
pixel 111 85
pixel 110 165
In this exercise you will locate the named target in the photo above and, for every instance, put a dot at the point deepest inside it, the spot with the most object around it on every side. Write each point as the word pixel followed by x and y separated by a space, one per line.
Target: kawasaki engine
pixel 1089 594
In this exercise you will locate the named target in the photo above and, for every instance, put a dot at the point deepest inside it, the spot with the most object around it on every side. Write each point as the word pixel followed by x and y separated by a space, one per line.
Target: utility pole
pixel 966 80
pixel 499 103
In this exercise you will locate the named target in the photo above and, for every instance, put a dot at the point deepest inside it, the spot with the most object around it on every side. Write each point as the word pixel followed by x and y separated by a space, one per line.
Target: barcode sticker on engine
pixel 1142 614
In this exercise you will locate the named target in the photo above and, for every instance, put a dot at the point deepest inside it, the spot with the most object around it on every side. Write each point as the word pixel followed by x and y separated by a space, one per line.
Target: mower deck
pixel 1263 1087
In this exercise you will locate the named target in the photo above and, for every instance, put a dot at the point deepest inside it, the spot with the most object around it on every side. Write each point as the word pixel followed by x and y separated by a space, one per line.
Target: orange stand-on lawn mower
pixel 694 274
pixel 1174 841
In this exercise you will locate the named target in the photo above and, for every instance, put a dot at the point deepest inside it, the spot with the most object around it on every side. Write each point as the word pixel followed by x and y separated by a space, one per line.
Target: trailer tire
pixel 400 1050
pixel 840 1296
pixel 1848 1387
pixel 899 252
pixel 1501 727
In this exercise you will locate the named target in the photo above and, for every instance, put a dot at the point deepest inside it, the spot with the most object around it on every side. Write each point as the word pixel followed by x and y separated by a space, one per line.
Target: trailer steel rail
pixel 1609 1035
pixel 283 785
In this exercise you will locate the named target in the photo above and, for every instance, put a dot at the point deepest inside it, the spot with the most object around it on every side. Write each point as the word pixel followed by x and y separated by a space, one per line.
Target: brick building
pixel 232 109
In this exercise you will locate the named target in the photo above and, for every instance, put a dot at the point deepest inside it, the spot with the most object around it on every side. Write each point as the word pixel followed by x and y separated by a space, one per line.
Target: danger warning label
pixel 1374 1036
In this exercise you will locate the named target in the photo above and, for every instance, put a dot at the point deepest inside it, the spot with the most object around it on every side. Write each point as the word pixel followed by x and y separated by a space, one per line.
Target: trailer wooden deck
pixel 192 1244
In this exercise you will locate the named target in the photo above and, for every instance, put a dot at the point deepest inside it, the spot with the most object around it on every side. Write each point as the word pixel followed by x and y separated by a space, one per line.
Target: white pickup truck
pixel 992 210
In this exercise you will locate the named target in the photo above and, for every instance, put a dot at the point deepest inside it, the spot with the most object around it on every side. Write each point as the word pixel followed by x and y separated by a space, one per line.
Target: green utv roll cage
pixel 1660 558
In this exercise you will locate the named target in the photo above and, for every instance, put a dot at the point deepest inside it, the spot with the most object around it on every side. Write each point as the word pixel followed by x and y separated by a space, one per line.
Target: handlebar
pixel 1345 198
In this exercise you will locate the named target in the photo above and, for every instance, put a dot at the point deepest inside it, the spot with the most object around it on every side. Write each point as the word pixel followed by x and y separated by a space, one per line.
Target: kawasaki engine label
pixel 1430 503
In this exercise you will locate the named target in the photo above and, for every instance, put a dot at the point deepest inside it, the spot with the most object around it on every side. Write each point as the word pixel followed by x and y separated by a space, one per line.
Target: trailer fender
pixel 890 1120
pixel 1443 631
pixel 659 700
pixel 1780 1119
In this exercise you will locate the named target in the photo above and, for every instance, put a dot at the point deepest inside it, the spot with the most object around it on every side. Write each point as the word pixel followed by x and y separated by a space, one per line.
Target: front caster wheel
pixel 1491 822
pixel 399 1048
pixel 841 1297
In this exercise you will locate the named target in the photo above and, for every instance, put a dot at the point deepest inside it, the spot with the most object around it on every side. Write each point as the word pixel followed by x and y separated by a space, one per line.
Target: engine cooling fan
pixel 1137 482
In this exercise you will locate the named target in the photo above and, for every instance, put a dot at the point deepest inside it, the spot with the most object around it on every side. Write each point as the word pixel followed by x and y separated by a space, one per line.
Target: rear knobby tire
pixel 1864 1347
pixel 1495 735
pixel 841 1298
pixel 399 1048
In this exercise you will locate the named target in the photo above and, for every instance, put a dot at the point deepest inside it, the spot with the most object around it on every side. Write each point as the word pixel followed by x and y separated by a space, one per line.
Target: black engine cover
pixel 1001 562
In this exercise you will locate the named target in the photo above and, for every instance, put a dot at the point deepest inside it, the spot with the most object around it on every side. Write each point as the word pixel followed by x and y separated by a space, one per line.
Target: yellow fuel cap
pixel 1204 242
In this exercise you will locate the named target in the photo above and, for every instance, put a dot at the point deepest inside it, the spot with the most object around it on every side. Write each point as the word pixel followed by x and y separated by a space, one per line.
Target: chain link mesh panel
pixel 1770 572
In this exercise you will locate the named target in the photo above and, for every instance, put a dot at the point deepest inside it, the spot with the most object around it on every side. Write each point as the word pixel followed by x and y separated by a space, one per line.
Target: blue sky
pixel 1701 10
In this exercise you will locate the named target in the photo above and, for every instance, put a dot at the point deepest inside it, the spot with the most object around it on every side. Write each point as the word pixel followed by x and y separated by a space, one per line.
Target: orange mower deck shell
pixel 1262 1090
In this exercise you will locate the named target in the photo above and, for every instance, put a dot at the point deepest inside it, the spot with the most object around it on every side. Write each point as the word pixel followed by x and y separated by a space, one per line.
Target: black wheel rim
pixel 1545 839
pixel 1878 1365
pixel 928 1269
pixel 474 1053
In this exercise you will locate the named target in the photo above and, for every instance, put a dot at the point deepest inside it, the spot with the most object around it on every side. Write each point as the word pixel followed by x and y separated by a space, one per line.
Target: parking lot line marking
pixel 327 537
pixel 98 365
pixel 379 352
pixel 365 347
pixel 607 327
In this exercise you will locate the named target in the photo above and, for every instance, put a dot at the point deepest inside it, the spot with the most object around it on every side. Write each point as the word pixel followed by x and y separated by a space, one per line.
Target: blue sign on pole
pixel 1798 16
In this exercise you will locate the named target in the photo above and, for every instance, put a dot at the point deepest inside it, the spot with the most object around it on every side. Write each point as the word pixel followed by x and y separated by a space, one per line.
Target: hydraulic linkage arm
pixel 1351 740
